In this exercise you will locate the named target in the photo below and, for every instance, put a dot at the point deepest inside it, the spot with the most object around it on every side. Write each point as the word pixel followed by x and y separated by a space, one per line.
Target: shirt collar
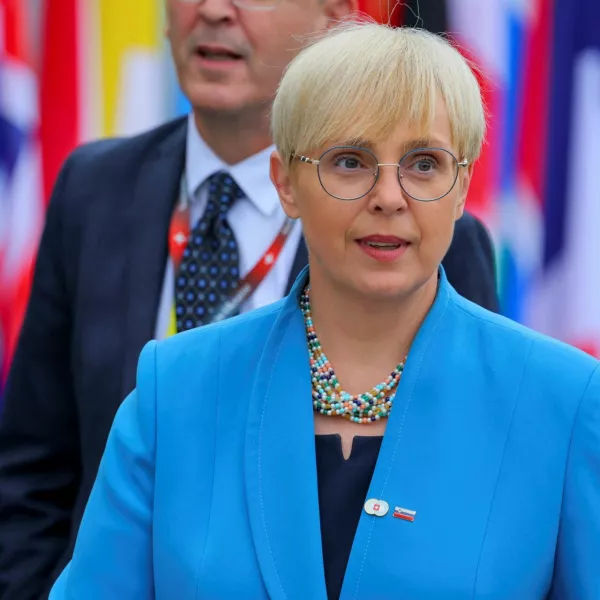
pixel 251 174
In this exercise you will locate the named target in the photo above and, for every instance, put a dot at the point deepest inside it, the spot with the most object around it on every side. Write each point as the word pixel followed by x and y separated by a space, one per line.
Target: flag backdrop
pixel 105 71
pixel 566 297
pixel 21 197
pixel 538 183
pixel 503 38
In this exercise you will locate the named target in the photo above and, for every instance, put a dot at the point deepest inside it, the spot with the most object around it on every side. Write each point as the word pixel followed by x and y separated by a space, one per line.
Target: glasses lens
pixel 348 173
pixel 428 173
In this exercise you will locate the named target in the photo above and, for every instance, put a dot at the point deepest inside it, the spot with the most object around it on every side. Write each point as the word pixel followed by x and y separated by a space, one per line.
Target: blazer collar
pixel 251 174
pixel 281 478
pixel 280 462
pixel 155 194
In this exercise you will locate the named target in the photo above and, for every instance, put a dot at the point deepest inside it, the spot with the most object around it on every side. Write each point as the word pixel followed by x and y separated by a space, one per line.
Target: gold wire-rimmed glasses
pixel 351 172
pixel 245 4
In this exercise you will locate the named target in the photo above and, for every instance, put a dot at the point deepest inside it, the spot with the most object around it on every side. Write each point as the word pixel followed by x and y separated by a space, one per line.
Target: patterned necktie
pixel 209 269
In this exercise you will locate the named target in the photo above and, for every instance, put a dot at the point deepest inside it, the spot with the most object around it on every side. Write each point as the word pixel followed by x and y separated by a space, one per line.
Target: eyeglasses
pixel 350 172
pixel 245 4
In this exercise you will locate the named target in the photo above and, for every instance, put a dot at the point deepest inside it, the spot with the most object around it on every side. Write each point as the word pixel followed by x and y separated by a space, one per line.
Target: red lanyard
pixel 179 233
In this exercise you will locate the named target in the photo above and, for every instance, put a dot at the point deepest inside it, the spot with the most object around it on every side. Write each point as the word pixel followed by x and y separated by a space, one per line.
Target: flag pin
pixel 405 514
pixel 378 508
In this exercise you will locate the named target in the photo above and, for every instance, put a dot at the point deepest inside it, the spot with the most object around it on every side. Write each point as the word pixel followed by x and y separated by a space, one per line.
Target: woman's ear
pixel 280 176
pixel 465 182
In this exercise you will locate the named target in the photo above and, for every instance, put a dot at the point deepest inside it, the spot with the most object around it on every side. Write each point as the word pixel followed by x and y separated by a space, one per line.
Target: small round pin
pixel 378 508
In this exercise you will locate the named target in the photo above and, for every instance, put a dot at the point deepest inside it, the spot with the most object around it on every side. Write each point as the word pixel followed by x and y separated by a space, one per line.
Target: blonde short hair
pixel 361 79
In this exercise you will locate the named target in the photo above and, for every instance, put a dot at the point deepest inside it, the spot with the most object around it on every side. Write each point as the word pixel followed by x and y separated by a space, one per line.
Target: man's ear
pixel 280 176
pixel 335 10
pixel 465 181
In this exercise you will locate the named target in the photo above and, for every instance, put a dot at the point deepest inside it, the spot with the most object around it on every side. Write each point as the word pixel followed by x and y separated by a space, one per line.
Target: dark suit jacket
pixel 93 306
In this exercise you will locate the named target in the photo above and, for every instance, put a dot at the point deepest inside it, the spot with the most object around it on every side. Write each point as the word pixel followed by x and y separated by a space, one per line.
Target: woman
pixel 457 454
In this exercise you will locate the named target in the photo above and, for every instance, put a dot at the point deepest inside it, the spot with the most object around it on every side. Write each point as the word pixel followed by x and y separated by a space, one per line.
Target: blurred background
pixel 76 70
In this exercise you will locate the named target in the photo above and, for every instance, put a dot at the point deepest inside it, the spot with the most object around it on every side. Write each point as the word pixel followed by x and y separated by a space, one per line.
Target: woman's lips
pixel 383 248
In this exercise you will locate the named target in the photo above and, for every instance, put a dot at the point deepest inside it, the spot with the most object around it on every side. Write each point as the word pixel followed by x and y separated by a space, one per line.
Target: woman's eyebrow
pixel 424 143
pixel 406 146
pixel 417 143
pixel 355 141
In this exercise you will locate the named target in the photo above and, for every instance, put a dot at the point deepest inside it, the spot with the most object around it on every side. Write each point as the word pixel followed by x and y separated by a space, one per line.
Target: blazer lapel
pixel 280 463
pixel 440 457
pixel 357 579
pixel 154 198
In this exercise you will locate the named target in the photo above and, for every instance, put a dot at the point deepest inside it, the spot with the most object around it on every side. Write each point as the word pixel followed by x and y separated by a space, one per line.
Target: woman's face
pixel 345 237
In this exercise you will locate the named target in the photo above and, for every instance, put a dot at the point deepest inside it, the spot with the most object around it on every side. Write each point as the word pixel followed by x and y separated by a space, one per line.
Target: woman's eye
pixel 348 162
pixel 424 164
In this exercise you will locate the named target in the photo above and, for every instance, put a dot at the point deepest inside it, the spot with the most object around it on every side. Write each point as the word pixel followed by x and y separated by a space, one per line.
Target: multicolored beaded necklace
pixel 328 397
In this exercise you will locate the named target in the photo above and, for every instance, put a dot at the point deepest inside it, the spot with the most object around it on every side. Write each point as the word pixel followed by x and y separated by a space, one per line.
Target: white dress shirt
pixel 255 219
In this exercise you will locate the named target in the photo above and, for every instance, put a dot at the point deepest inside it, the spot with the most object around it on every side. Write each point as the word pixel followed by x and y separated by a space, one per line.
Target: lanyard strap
pixel 179 233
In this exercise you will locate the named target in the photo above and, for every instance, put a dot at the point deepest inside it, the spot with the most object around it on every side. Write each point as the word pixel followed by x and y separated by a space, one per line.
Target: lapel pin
pixel 405 514
pixel 379 508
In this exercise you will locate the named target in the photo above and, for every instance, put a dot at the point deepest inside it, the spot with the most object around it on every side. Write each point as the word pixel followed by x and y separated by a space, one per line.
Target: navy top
pixel 343 487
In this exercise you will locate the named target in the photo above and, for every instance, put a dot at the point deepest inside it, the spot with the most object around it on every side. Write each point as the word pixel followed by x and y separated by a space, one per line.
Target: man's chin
pixel 221 98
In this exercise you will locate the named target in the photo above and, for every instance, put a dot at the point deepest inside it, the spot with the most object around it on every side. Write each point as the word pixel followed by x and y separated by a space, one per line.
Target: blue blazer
pixel 96 290
pixel 208 488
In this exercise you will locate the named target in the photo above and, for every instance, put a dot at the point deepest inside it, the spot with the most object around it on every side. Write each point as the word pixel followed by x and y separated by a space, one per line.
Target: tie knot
pixel 222 192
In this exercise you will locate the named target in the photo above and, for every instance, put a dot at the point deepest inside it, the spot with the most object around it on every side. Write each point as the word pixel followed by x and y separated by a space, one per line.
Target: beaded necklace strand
pixel 328 396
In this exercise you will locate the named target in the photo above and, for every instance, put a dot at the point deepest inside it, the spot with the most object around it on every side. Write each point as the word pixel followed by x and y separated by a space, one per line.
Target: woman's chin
pixel 386 286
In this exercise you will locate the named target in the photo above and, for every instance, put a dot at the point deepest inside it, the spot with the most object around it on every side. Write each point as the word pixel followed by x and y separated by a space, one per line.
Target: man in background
pixel 146 237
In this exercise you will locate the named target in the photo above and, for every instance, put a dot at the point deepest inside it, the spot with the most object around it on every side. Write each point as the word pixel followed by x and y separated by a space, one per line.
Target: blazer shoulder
pixel 555 363
pixel 108 157
pixel 232 341
pixel 469 221
pixel 472 228
pixel 103 173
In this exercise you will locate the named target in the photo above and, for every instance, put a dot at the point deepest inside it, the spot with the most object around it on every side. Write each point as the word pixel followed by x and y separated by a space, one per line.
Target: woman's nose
pixel 388 195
